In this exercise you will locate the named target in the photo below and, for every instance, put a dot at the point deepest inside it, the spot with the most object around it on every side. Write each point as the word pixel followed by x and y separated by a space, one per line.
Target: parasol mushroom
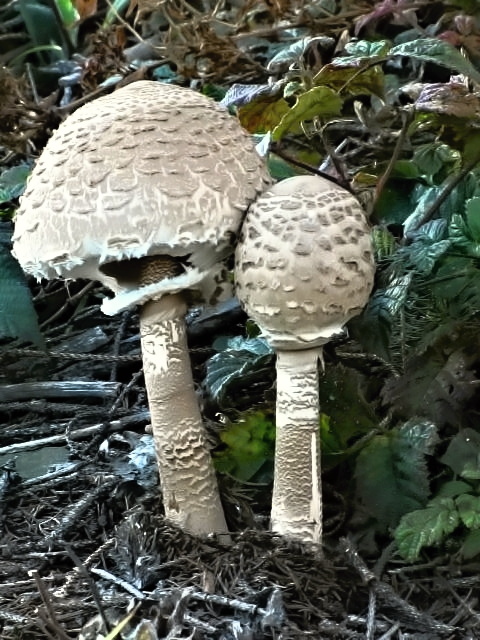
pixel 144 190
pixel 304 267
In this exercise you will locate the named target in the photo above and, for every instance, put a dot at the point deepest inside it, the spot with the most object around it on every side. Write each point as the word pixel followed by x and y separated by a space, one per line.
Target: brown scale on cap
pixel 304 267
pixel 151 178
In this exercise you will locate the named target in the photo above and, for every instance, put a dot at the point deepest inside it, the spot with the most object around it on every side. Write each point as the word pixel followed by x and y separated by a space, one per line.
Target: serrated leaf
pixel 469 510
pixel 471 545
pixel 374 325
pixel 436 158
pixel 18 318
pixel 425 527
pixel 391 472
pixel 319 102
pixel 436 51
pixel 423 254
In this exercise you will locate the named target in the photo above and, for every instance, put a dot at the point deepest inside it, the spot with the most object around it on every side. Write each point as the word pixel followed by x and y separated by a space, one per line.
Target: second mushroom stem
pixel 190 492
pixel 297 490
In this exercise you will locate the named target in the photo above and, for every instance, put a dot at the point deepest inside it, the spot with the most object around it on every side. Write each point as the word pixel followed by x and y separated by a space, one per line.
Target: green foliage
pixel 391 472
pixel 455 507
pixel 17 314
pixel 319 102
pixel 237 358
pixel 425 527
pixel 249 448
pixel 12 182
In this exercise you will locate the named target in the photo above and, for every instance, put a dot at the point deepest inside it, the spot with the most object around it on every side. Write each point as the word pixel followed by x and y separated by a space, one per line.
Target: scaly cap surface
pixel 149 169
pixel 304 262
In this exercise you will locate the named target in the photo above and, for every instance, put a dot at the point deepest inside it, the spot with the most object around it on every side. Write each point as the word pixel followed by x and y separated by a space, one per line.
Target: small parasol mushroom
pixel 304 267
pixel 144 190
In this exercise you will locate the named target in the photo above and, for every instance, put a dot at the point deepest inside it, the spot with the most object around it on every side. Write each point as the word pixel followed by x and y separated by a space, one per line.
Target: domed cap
pixel 149 169
pixel 304 263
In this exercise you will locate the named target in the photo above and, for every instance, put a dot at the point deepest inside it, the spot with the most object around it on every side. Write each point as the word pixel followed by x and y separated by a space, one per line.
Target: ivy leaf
pixel 18 318
pixel 436 51
pixel 240 357
pixel 391 472
pixel 469 510
pixel 319 102
pixel 425 527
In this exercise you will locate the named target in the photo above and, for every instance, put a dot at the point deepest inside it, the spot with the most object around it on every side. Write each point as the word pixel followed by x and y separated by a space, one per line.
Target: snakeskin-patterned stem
pixel 190 492
pixel 297 490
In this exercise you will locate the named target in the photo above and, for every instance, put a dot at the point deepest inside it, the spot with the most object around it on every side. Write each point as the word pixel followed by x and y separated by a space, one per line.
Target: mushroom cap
pixel 149 169
pixel 304 262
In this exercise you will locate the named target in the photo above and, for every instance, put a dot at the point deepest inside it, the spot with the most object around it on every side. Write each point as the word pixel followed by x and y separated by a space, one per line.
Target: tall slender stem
pixel 187 476
pixel 297 490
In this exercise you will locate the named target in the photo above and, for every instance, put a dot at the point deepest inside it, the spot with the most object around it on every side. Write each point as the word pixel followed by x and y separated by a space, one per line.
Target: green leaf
pixel 472 214
pixel 463 454
pixel 17 314
pixel 436 161
pixel 471 545
pixel 319 102
pixel 436 51
pixel 367 49
pixel 350 81
pixel 373 327
pixel 263 113
pixel 294 52
pixel 12 182
pixel 391 473
pixel 248 446
pixel 240 357
pixel 453 488
pixel 469 510
pixel 425 527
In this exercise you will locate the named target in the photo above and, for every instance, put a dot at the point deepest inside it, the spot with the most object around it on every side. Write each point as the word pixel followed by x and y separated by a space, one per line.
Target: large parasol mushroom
pixel 304 267
pixel 144 190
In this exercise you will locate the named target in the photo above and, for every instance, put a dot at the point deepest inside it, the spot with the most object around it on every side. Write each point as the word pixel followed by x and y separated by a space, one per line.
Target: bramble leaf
pixel 391 472
pixel 425 527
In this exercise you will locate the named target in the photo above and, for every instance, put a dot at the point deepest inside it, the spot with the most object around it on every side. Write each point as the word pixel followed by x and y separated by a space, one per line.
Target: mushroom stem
pixel 190 492
pixel 297 489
